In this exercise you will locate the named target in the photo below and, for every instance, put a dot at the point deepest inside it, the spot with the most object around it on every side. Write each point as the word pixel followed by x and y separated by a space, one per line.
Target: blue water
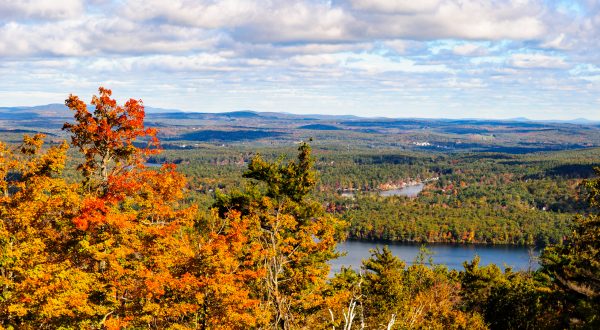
pixel 408 191
pixel 153 165
pixel 451 255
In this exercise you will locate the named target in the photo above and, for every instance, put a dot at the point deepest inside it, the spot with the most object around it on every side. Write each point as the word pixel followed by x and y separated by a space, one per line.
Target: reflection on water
pixel 408 191
pixel 451 255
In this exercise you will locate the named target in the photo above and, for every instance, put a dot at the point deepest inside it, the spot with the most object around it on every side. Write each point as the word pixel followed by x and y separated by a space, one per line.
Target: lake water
pixel 408 191
pixel 153 165
pixel 451 255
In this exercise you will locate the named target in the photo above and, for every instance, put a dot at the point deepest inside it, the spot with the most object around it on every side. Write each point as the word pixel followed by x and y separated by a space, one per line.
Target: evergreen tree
pixel 574 266
pixel 296 237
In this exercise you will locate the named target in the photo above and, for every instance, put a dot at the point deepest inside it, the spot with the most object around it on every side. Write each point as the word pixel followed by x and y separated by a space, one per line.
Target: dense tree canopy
pixel 124 245
pixel 574 267
pixel 295 235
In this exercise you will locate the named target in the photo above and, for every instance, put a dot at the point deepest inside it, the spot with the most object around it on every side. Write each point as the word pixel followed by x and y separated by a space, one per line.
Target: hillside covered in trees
pixel 93 236
pixel 476 197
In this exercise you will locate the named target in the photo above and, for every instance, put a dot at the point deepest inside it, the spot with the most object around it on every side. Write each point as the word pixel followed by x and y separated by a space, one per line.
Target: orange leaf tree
pixel 40 281
pixel 156 267
pixel 106 136
pixel 120 250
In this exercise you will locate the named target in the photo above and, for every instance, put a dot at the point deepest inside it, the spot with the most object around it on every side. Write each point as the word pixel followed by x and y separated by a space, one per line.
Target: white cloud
pixel 467 19
pixel 560 42
pixel 310 21
pixel 315 60
pixel 322 48
pixel 537 61
pixel 373 63
pixel 353 52
pixel 469 50
pixel 396 6
pixel 297 21
pixel 30 97
pixel 199 62
pixel 116 35
pixel 286 21
pixel 405 47
pixel 466 84
pixel 45 39
pixel 253 20
pixel 157 26
pixel 100 35
pixel 205 14
pixel 40 9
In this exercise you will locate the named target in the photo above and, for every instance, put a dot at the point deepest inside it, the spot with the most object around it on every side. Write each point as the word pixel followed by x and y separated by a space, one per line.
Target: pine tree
pixel 297 238
pixel 574 266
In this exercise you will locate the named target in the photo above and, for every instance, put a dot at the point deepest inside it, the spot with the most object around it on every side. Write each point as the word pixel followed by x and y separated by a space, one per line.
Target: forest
pixel 476 197
pixel 108 230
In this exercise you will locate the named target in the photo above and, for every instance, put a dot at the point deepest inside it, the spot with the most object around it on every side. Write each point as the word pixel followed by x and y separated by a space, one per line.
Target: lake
pixel 407 191
pixel 451 255
pixel 153 165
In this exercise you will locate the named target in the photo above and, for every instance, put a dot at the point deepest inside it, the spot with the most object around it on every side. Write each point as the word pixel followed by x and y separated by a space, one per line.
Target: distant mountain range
pixel 578 121
pixel 57 110
pixel 61 111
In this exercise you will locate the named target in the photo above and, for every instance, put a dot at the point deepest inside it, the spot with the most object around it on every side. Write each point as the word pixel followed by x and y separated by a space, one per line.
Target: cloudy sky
pixel 398 58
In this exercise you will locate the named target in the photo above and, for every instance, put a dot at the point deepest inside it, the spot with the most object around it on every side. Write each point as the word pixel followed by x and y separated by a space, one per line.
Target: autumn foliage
pixel 106 136
pixel 120 249
pixel 124 247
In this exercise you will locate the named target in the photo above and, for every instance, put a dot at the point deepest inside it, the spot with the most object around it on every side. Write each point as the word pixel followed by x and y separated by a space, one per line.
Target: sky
pixel 538 59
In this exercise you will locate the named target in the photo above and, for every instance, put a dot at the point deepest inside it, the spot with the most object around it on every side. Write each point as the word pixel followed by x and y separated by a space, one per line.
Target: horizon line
pixel 577 120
